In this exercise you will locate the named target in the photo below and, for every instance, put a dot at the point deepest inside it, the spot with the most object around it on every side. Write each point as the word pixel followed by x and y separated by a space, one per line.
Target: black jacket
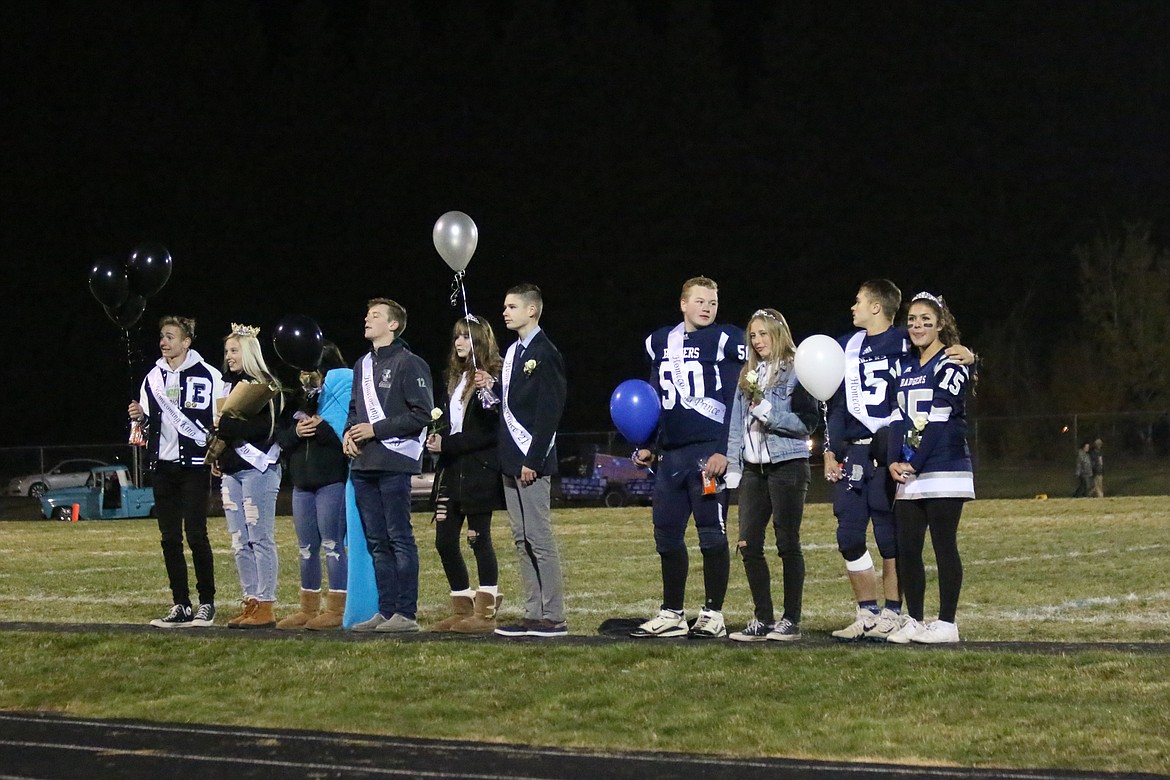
pixel 259 430
pixel 469 466
pixel 402 385
pixel 313 462
pixel 537 399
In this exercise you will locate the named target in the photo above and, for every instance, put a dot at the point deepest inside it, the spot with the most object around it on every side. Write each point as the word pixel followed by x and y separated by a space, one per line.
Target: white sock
pixel 469 593
pixel 493 590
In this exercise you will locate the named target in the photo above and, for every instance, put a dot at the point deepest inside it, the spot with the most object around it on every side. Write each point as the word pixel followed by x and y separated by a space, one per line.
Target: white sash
pixel 518 432
pixel 710 408
pixel 411 448
pixel 853 389
pixel 172 413
pixel 259 459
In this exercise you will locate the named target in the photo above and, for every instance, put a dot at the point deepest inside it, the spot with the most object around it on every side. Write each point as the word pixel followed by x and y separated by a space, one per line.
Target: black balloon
pixel 148 268
pixel 128 313
pixel 298 341
pixel 108 283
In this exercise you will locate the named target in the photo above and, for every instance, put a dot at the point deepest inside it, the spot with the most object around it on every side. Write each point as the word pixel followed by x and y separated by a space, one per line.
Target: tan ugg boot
pixel 461 607
pixel 330 617
pixel 261 617
pixel 310 608
pixel 249 607
pixel 483 619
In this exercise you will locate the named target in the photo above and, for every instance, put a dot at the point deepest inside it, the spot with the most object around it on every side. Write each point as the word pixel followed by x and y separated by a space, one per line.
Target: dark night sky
pixel 294 156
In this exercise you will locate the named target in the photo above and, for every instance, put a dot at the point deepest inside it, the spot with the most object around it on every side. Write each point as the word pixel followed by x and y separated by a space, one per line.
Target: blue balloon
pixel 634 408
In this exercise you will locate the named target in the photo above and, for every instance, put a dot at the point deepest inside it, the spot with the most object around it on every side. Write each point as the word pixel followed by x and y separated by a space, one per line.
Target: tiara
pixel 763 313
pixel 472 318
pixel 245 330
pixel 925 296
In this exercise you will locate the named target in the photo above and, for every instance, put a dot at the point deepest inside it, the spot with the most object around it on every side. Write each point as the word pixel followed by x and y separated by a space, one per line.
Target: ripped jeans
pixel 319 516
pixel 249 502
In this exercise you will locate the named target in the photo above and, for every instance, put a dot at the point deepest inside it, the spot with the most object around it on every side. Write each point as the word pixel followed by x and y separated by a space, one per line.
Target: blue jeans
pixel 249 502
pixel 319 517
pixel 383 500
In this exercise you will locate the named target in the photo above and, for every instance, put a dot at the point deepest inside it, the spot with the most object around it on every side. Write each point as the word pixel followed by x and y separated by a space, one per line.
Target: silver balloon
pixel 455 237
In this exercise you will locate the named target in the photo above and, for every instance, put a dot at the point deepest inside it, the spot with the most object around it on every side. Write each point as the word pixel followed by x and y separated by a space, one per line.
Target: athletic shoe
pixel 938 633
pixel 708 626
pixel 178 617
pixel 204 616
pixel 855 631
pixel 547 629
pixel 756 631
pixel 784 631
pixel 666 623
pixel 369 625
pixel 398 624
pixel 910 629
pixel 517 629
pixel 888 621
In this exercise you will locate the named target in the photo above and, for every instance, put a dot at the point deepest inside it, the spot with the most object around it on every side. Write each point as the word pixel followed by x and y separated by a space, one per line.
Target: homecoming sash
pixel 259 459
pixel 710 408
pixel 412 447
pixel 172 413
pixel 518 432
pixel 854 391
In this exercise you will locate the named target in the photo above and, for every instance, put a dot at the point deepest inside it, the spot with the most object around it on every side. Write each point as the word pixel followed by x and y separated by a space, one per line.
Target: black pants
pixel 776 492
pixel 449 518
pixel 941 517
pixel 180 500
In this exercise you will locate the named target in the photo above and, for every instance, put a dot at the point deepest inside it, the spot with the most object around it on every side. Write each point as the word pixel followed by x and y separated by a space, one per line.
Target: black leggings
pixel 180 502
pixel 941 517
pixel 448 525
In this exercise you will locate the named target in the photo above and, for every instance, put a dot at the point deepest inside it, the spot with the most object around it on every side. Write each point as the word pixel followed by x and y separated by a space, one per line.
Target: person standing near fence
pixel 1097 459
pixel 1084 471
pixel 176 406
pixel 931 463
pixel 767 459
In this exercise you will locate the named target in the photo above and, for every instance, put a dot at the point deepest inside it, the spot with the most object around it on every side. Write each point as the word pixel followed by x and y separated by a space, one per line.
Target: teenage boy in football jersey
pixel 855 456
pixel 695 366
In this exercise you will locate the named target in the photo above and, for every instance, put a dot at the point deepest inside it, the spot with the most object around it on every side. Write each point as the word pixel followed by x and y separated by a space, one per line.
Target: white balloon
pixel 820 366
pixel 455 236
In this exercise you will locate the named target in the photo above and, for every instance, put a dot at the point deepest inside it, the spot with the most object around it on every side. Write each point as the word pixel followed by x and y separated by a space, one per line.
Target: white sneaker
pixel 666 623
pixel 910 628
pixel 855 631
pixel 939 632
pixel 888 621
pixel 709 625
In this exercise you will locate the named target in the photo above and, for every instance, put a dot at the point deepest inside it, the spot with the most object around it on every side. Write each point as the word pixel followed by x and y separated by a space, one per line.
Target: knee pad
pixel 855 563
pixel 667 542
pixel 712 538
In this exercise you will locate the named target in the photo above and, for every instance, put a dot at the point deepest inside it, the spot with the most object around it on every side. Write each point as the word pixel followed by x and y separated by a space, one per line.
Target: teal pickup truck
pixel 108 494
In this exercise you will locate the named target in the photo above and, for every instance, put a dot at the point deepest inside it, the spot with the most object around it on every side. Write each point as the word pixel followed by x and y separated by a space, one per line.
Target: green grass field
pixel 1058 570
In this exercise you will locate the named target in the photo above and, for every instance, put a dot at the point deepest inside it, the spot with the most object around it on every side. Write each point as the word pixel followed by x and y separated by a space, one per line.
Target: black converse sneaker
pixel 204 616
pixel 178 617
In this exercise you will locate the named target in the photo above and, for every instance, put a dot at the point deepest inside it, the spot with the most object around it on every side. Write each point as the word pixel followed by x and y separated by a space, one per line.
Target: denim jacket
pixel 792 417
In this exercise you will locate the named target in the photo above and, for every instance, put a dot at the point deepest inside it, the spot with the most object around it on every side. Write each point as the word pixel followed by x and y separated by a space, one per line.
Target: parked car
pixel 612 480
pixel 108 493
pixel 67 473
pixel 421 486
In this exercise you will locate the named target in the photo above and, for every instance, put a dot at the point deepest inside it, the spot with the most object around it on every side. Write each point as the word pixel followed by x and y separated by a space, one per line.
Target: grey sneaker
pixel 398 624
pixel 204 616
pixel 784 631
pixel 369 625
pixel 708 626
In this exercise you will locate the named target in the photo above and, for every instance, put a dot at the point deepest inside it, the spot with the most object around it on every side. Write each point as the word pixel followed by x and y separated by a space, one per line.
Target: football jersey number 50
pixel 694 371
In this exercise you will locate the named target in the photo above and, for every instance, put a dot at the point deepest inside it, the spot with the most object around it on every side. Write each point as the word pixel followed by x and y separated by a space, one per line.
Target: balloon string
pixel 456 286
pixel 467 319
